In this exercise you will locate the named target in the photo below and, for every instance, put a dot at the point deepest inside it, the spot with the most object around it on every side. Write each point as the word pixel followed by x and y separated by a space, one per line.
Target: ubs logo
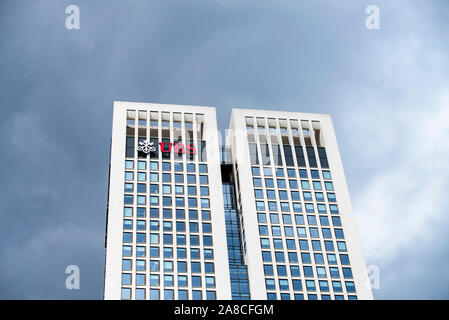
pixel 147 146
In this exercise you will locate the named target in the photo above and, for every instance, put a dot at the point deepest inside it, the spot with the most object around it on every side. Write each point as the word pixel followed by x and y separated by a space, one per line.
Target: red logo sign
pixel 178 147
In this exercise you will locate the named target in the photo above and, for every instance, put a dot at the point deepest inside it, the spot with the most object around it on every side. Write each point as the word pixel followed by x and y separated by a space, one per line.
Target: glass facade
pixel 237 268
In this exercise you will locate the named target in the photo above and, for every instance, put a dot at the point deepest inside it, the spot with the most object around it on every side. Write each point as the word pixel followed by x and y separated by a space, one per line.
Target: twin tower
pixel 264 213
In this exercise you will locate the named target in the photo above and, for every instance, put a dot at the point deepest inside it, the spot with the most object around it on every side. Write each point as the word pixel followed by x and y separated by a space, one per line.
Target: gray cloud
pixel 386 90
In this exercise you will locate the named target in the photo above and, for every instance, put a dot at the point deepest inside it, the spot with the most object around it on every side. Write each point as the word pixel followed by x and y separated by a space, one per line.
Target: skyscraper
pixel 267 216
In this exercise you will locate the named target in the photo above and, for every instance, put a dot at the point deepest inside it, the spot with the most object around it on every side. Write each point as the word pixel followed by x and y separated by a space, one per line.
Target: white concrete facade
pixel 179 115
pixel 268 127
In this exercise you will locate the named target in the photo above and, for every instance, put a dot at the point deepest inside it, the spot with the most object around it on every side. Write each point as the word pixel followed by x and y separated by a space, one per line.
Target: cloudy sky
pixel 387 91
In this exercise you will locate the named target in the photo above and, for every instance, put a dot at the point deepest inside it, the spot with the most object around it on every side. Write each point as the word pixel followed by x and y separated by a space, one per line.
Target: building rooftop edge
pixel 161 104
pixel 249 110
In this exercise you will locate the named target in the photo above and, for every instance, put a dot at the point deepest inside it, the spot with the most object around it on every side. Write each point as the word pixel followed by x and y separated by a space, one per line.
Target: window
pixel 341 246
pixel 297 207
pixel 319 259
pixel 331 258
pixel 337 286
pixel 299 219
pixel 336 221
pixel 295 195
pixel 329 186
pixel 331 197
pixel 301 232
pixel 303 245
pixel 350 287
pixel 127 237
pixel 333 208
pixel 126 278
pixel 154 265
pixel 321 272
pixel 129 187
pixel 209 267
pixel 314 232
pixel 297 285
pixel 283 284
pixel 267 172
pixel 128 199
pixel 269 284
pixel 307 196
pixel 281 183
pixel 210 282
pixel 196 281
pixel 129 175
pixel 323 157
pixel 265 243
pixel 339 233
pixel 300 159
pixel 293 184
pixel 334 273
pixel 324 286
pixel 154 294
pixel 279 172
pixel 183 295
pixel 129 164
pixel 207 241
pixel 271 296
pixel 283 195
pixel 182 281
pixel 141 176
pixel 305 184
pixel 126 264
pixel 310 208
pixel 257 182
pixel 253 153
pixel 344 258
pixel 310 284
pixel 292 256
pixel 324 221
pixel 268 269
pixel 127 251
pixel 326 233
pixel 154 252
pixel 140 238
pixel 126 293
pixel 317 185
pixel 182 266
pixel 266 256
pixel 140 279
pixel 255 171
pixel 347 273
pixel 128 211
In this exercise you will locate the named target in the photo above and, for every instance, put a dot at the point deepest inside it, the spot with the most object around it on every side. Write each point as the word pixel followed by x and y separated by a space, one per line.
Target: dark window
pixel 288 155
pixel 323 157
pixel 311 156
pixel 265 151
pixel 156 145
pixel 190 155
pixel 300 156
pixel 130 147
pixel 253 153
pixel 202 151
pixel 277 155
